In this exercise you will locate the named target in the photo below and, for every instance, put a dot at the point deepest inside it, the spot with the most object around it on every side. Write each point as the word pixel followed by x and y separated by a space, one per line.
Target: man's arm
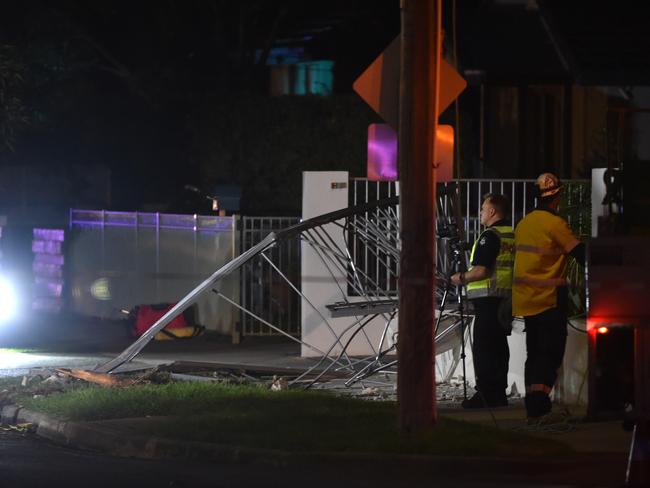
pixel 578 252
pixel 477 273
pixel 564 237
pixel 485 255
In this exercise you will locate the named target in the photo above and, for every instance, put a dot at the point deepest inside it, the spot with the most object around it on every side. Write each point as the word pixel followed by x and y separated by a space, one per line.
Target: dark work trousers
pixel 546 335
pixel 490 350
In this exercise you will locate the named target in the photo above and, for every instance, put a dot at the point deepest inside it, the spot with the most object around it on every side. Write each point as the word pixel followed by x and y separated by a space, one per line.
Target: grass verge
pixel 249 416
pixel 9 382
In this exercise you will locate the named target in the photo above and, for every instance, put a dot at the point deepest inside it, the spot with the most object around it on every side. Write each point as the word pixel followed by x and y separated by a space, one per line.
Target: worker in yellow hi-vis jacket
pixel 489 280
pixel 539 293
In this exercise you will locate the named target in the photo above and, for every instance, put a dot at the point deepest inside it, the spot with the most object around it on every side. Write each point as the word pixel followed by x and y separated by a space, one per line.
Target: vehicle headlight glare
pixel 8 300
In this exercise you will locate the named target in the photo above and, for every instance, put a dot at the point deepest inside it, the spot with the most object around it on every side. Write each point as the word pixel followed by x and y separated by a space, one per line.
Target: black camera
pixel 458 246
pixel 447 232
pixel 451 233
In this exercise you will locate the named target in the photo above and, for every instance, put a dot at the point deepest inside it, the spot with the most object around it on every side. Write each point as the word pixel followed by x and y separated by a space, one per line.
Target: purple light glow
pixel 49 287
pixel 46 269
pixel 49 234
pixel 225 226
pixel 382 153
pixel 52 305
pixel 56 259
pixel 46 247
pixel 200 223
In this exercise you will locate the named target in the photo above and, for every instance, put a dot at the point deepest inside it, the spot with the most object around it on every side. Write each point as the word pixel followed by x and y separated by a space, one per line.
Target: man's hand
pixel 455 279
pixel 474 274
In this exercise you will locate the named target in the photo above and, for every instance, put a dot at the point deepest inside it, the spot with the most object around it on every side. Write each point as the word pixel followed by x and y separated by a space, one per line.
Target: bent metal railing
pixel 375 222
pixel 266 294
pixel 187 301
pixel 312 232
pixel 374 225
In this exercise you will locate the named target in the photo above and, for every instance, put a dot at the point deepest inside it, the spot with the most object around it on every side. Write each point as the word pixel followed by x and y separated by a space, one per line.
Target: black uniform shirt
pixel 488 248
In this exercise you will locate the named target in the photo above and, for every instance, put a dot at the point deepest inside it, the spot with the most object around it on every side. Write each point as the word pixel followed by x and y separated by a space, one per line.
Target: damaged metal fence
pixel 366 268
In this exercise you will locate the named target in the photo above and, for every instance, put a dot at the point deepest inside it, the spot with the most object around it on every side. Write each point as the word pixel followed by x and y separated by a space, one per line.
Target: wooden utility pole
pixel 418 109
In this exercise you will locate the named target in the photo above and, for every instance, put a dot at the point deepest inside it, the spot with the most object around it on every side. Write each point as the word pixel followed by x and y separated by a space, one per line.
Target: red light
pixel 603 330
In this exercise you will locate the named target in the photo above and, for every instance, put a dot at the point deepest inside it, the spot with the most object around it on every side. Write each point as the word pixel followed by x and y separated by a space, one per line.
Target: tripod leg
pixel 462 340
pixel 440 309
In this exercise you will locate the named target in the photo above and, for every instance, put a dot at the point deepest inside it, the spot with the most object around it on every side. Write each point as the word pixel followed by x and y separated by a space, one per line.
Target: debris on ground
pixel 54 379
pixel 41 382
pixel 193 377
pixel 44 382
pixel 38 382
pixel 279 383
pixel 103 379
pixel 375 393
pixel 370 391
pixel 20 428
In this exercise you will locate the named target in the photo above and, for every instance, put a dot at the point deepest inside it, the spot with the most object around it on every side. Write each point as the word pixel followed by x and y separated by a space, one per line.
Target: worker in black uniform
pixel 489 283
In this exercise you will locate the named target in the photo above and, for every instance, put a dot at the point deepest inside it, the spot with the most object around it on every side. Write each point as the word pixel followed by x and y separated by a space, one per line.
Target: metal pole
pixel 638 470
pixel 157 257
pixel 418 109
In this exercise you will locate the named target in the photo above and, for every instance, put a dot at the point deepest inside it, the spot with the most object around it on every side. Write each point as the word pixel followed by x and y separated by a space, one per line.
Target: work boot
pixel 537 403
pixel 476 401
pixel 484 401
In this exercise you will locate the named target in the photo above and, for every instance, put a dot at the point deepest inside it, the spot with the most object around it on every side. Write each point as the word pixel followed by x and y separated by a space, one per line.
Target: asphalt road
pixel 28 461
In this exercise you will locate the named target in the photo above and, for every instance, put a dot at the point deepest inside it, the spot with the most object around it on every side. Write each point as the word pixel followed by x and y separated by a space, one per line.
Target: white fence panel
pixel 117 260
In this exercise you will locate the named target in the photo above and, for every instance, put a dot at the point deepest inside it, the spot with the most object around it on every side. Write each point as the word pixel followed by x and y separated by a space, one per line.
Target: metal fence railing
pixel 263 291
pixel 380 267
pixel 266 294
pixel 576 208
pixel 576 205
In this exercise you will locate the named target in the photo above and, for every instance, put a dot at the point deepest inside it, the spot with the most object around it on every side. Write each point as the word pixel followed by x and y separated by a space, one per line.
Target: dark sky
pixel 119 83
pixel 195 35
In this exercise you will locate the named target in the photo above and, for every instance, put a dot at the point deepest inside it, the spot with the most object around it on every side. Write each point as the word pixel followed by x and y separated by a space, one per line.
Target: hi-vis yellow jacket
pixel 542 241
pixel 499 283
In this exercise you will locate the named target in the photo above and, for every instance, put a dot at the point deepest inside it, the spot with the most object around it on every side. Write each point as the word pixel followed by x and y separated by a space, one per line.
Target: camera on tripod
pixel 451 258
pixel 449 231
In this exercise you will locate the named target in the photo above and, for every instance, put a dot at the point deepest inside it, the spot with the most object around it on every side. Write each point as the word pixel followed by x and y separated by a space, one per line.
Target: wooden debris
pixel 103 379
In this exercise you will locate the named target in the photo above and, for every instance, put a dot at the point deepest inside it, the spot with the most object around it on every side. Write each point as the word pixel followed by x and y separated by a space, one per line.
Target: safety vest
pixel 542 241
pixel 499 283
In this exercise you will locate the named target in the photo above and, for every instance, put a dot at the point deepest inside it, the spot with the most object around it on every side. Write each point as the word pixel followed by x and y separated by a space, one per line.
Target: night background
pixel 119 105
pixel 123 103
pixel 146 109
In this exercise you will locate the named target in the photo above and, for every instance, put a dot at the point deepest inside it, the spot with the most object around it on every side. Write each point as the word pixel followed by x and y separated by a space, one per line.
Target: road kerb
pixel 89 436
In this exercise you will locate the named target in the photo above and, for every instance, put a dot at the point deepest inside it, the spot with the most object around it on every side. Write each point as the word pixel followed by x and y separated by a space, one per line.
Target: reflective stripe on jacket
pixel 542 240
pixel 499 283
